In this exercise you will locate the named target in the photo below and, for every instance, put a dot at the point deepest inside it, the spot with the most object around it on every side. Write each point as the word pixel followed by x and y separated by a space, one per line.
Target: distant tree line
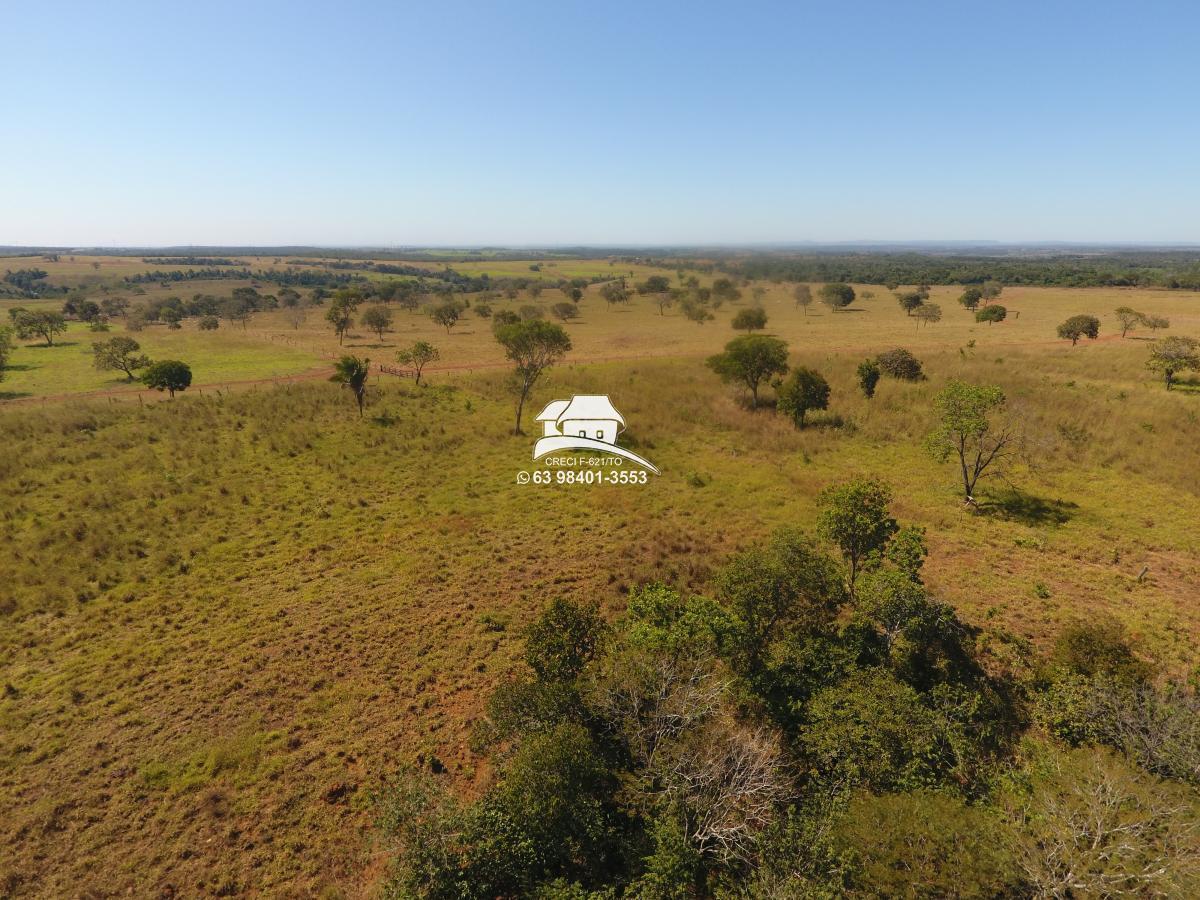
pixel 190 261
pixel 1148 269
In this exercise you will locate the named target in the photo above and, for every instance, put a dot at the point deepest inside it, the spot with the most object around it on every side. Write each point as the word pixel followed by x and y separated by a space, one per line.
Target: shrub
pixel 990 314
pixel 868 377
pixel 901 364
pixel 208 323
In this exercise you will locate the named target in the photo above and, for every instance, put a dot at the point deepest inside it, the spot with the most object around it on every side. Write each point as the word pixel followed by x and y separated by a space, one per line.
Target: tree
pixel 1154 323
pixel 694 310
pixel 1129 318
pixel 168 375
pixel 803 296
pixel 837 295
pixel 990 290
pixel 341 316
pixel 854 517
pixel 1078 326
pixel 532 347
pixel 910 301
pixel 41 324
pixel 900 364
pixel 804 390
pixel 417 356
pixel 655 284
pixel 970 298
pixel 295 316
pixel 119 353
pixel 6 346
pixel 614 292
pixel 868 377
pixel 565 310
pixel 928 312
pixel 208 323
pixel 378 319
pixel 723 290
pixel 446 314
pixel 1174 354
pixel 563 639
pixel 114 306
pixel 991 314
pixel 241 305
pixel 969 431
pixel 752 319
pixel 750 360
pixel 1087 823
pixel 352 372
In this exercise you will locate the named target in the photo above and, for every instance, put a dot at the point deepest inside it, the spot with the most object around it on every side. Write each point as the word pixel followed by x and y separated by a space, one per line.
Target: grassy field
pixel 228 618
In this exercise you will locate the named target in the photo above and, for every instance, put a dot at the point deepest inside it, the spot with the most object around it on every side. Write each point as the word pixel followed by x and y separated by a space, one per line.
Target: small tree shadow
pixel 1018 506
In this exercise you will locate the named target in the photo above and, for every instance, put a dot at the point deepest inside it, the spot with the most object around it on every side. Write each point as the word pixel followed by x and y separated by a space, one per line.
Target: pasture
pixel 230 616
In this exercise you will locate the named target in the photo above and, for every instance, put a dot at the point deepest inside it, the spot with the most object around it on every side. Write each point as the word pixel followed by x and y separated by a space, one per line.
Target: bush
pixel 209 323
pixel 901 364
pixel 868 377
pixel 1097 647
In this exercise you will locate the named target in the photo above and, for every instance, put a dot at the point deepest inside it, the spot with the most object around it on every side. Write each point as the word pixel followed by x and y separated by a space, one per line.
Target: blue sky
pixel 586 122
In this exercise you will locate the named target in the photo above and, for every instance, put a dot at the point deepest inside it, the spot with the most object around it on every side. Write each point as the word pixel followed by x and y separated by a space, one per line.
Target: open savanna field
pixel 228 620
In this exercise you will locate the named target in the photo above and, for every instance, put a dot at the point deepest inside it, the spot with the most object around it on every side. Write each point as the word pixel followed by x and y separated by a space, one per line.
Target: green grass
pixel 228 617
pixel 37 370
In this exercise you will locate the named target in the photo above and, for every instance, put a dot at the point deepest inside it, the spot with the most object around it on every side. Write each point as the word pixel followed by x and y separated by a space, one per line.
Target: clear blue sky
pixel 598 122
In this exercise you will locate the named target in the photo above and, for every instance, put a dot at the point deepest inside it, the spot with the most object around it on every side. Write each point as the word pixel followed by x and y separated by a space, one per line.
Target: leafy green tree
pixel 694 310
pixel 655 284
pixel 533 347
pixel 868 377
pixel 563 640
pixel 1129 318
pixel 874 731
pixel 724 291
pixel 751 360
pixel 854 517
pixel 614 292
pixel 168 375
pixel 836 295
pixel 910 301
pixel 992 314
pixel 39 323
pixel 803 296
pixel 119 353
pixel 418 356
pixel 1173 355
pixel 378 319
pixel 352 373
pixel 802 391
pixel 970 298
pixel 990 290
pixel 969 430
pixel 750 319
pixel 1079 326
pixel 447 314
pixel 341 316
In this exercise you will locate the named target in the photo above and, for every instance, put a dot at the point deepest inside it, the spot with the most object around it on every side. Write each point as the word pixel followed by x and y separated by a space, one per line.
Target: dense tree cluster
pixel 815 725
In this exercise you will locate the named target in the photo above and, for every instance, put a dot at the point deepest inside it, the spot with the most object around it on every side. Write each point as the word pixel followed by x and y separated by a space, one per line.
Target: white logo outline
pixel 571 424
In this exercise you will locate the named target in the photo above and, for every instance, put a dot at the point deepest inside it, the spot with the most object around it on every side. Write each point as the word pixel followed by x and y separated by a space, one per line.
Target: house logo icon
pixel 585 422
